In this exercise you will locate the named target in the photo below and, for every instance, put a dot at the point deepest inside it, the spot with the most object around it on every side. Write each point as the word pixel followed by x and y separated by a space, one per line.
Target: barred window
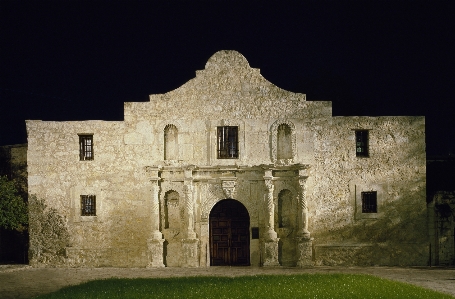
pixel 361 143
pixel 228 142
pixel 86 147
pixel 88 205
pixel 369 202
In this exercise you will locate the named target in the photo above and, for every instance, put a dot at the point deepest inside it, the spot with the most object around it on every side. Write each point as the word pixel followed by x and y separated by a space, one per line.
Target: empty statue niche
pixel 171 142
pixel 285 208
pixel 171 210
pixel 284 142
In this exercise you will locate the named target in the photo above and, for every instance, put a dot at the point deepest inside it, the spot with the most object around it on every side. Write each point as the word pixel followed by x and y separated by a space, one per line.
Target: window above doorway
pixel 228 142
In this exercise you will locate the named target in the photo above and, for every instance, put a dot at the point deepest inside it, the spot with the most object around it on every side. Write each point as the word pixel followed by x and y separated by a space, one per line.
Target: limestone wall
pixel 396 235
pixel 230 93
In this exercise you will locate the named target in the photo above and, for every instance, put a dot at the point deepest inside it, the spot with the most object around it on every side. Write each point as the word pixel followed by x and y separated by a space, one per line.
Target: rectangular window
pixel 228 144
pixel 361 143
pixel 369 202
pixel 86 147
pixel 255 233
pixel 88 205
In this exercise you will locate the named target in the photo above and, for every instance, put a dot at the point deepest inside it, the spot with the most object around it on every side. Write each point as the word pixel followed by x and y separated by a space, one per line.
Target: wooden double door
pixel 229 234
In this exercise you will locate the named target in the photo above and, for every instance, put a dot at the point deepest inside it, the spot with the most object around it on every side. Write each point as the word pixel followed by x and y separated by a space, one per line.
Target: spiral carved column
pixel 270 240
pixel 303 209
pixel 304 241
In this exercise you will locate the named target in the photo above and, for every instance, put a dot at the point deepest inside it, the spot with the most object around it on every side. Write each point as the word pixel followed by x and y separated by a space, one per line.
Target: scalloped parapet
pixel 228 88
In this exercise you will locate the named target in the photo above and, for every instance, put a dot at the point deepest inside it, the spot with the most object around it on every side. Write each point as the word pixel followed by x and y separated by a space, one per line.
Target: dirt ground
pixel 23 281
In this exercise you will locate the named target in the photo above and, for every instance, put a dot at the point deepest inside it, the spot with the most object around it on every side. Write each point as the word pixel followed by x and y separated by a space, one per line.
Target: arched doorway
pixel 229 234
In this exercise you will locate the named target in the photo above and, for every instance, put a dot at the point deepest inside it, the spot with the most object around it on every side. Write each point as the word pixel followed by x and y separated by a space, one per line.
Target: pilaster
pixel 190 245
pixel 155 242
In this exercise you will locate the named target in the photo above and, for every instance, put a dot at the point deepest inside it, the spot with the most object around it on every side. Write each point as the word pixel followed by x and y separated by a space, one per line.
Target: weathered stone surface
pixel 313 175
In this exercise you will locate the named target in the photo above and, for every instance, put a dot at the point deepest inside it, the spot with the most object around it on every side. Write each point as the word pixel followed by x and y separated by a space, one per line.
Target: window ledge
pixel 88 218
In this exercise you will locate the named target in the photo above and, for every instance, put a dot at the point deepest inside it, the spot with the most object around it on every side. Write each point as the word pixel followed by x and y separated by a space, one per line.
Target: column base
pixel 190 249
pixel 270 253
pixel 155 253
pixel 305 252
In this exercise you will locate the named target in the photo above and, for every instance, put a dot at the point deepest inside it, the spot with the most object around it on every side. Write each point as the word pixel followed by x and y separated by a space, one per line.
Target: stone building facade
pixel 229 169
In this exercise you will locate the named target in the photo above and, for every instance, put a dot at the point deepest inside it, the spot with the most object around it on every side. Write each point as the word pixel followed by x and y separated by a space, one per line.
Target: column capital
pixel 153 172
pixel 188 187
pixel 188 170
pixel 302 181
pixel 269 184
pixel 304 170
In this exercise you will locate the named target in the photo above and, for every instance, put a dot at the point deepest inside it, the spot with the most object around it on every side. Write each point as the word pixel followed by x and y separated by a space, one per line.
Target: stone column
pixel 155 242
pixel 270 241
pixel 189 209
pixel 190 245
pixel 303 209
pixel 304 241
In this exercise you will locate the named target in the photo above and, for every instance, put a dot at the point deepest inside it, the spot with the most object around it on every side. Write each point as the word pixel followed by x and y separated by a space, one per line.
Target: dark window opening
pixel 255 233
pixel 88 205
pixel 228 147
pixel 369 202
pixel 86 147
pixel 361 143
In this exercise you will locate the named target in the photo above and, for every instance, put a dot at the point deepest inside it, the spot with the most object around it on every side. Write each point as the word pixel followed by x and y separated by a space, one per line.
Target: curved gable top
pixel 228 88
pixel 227 59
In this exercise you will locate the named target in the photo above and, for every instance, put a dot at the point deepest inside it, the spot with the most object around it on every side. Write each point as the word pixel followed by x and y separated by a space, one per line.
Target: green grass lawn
pixel 263 286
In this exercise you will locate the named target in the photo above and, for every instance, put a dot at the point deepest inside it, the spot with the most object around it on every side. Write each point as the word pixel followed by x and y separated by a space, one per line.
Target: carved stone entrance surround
pixel 204 186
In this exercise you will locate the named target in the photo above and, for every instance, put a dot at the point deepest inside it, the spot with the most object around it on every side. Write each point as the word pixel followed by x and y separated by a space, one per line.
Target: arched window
pixel 284 208
pixel 170 143
pixel 284 142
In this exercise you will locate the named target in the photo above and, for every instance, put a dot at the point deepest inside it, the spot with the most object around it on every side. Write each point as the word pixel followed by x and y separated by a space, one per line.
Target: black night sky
pixel 78 60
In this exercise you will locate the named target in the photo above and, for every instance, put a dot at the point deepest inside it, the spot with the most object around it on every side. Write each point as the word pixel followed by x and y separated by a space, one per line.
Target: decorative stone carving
pixel 274 143
pixel 228 186
pixel 210 194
